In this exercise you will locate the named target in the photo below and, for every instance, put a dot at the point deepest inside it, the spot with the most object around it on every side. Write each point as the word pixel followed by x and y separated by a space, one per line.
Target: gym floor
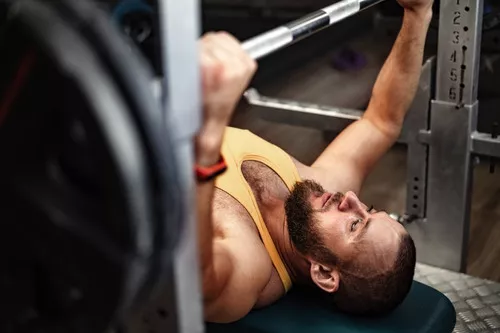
pixel 317 82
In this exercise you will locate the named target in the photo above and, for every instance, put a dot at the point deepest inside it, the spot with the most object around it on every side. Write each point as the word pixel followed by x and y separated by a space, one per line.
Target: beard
pixel 301 221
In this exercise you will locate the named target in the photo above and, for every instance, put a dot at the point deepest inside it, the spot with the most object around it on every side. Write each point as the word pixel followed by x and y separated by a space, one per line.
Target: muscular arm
pixel 214 274
pixel 346 162
pixel 226 71
pixel 230 284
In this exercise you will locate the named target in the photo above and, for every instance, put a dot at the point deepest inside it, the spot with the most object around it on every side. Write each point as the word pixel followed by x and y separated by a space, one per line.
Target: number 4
pixel 454 56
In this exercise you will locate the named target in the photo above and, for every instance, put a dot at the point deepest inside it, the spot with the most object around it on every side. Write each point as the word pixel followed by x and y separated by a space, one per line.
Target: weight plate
pixel 132 73
pixel 77 238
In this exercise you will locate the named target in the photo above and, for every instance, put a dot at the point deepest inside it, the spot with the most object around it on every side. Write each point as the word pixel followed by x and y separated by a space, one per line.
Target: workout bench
pixel 425 310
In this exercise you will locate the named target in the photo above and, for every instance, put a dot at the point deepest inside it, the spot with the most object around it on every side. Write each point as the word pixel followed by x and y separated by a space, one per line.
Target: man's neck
pixel 271 202
pixel 275 220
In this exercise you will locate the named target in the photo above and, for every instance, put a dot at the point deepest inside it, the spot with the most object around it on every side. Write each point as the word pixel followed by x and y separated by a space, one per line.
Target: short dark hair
pixel 361 290
pixel 362 293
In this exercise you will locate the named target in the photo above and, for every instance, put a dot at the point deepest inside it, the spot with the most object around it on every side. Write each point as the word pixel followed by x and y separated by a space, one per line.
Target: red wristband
pixel 205 174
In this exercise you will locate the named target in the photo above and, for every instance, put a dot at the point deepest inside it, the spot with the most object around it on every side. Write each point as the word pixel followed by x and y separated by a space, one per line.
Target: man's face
pixel 353 234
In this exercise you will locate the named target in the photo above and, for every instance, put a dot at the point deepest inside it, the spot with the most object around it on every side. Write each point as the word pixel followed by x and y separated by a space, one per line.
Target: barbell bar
pixel 277 38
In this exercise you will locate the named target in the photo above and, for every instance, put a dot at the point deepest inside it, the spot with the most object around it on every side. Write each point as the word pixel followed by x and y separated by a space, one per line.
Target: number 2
pixel 456 18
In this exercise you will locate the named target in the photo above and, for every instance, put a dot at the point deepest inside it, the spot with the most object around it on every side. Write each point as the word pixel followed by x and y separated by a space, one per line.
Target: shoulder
pixel 249 275
pixel 243 268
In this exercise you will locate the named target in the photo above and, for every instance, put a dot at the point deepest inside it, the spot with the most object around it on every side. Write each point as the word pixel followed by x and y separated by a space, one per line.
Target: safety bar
pixel 323 117
pixel 277 38
pixel 484 144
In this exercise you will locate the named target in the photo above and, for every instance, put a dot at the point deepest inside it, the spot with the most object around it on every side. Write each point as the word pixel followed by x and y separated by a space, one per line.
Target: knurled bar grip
pixel 277 38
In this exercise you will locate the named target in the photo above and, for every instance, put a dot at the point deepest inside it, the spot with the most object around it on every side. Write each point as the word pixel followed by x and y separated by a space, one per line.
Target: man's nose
pixel 350 203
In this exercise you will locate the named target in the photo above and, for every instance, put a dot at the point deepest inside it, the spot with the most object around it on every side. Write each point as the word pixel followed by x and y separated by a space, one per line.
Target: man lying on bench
pixel 267 221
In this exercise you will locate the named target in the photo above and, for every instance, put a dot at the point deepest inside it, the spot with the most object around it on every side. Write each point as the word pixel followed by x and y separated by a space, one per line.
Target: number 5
pixel 453 75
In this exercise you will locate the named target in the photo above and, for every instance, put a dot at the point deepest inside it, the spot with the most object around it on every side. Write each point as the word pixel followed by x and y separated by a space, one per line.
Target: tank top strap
pixel 240 146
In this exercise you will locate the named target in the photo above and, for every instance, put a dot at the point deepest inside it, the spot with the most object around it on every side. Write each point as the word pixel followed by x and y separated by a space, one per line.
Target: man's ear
pixel 325 277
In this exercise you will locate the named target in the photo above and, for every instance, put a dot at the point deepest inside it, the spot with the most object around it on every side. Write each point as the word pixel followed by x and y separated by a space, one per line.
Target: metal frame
pixel 453 119
pixel 179 24
pixel 416 136
pixel 303 114
pixel 177 306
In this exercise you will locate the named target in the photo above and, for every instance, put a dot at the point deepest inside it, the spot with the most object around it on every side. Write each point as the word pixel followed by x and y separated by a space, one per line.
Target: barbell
pixel 265 43
pixel 285 35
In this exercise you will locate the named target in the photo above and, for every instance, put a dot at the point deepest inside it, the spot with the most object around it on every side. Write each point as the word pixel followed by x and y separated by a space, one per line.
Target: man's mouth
pixel 326 197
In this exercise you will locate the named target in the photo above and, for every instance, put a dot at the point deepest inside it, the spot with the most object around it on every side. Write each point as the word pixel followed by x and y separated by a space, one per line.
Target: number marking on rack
pixel 458 51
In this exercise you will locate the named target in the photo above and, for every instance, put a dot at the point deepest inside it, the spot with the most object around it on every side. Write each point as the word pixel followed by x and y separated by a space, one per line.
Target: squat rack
pixel 177 307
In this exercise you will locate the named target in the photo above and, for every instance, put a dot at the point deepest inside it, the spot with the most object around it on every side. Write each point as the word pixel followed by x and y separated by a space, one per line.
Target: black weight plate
pixel 76 246
pixel 148 110
pixel 134 77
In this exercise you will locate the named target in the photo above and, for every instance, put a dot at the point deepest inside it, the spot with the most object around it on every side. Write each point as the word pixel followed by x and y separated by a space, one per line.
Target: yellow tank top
pixel 242 145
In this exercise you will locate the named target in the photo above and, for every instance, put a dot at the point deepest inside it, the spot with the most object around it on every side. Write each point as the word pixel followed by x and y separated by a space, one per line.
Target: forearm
pixel 357 149
pixel 207 144
pixel 398 80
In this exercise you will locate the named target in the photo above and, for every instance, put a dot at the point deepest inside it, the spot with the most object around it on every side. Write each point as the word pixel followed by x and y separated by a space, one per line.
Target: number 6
pixel 453 93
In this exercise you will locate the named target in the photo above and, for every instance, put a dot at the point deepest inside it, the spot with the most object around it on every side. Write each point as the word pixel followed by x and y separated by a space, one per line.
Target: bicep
pixel 230 290
pixel 217 275
pixel 346 162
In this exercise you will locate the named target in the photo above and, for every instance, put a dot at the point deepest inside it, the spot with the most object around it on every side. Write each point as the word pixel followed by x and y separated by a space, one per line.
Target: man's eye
pixel 354 224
